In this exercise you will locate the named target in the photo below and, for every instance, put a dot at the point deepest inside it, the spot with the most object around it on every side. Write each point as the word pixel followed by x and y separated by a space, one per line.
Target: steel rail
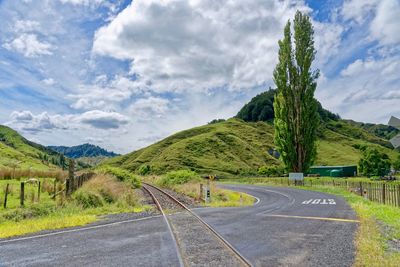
pixel 178 252
pixel 241 258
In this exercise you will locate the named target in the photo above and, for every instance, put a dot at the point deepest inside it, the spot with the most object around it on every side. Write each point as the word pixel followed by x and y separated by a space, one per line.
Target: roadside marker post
pixel 207 196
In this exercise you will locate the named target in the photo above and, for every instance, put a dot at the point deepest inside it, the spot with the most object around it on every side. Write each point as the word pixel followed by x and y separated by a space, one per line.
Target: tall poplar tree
pixel 296 118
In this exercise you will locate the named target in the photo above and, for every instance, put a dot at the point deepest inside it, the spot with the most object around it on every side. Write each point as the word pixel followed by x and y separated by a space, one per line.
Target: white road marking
pixel 77 230
pixel 319 201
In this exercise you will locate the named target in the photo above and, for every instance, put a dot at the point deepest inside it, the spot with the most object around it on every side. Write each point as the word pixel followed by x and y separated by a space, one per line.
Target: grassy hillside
pixel 17 151
pixel 238 147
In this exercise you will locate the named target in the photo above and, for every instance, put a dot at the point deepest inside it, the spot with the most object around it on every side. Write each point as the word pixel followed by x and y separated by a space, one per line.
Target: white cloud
pixel 26 25
pixel 103 120
pixel 195 45
pixel 148 108
pixel 22 115
pixel 105 93
pixel 29 46
pixel 29 122
pixel 364 83
pixel 386 24
pixel 82 2
pixel 358 10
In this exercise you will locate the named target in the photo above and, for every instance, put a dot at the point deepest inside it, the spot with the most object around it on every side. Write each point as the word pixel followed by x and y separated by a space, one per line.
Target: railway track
pixel 196 242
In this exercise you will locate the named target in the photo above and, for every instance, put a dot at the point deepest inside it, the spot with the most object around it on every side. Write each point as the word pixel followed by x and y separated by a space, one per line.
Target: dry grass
pixel 9 173
pixel 108 189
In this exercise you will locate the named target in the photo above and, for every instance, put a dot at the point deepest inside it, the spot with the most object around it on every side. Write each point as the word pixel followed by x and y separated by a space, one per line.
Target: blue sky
pixel 124 74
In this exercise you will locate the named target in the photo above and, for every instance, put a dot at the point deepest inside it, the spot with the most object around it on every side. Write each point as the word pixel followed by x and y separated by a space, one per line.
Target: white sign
pixel 319 201
pixel 296 176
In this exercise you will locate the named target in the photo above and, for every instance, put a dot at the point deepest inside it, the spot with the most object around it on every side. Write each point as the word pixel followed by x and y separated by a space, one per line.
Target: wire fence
pixel 32 189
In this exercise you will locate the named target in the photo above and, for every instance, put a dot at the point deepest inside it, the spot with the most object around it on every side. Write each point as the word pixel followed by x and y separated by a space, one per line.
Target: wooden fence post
pixel 67 186
pixel 361 189
pixel 384 193
pixel 70 181
pixel 55 189
pixel 5 197
pixel 22 194
pixel 398 195
pixel 38 192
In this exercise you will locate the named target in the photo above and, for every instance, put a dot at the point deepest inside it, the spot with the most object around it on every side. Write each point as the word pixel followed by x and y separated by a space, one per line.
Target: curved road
pixel 287 227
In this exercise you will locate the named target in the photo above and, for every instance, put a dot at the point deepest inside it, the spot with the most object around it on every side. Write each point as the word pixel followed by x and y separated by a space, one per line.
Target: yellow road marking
pixel 314 218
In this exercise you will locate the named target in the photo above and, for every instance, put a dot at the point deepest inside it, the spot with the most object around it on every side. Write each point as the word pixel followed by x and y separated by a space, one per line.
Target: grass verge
pixel 103 194
pixel 188 183
pixel 379 230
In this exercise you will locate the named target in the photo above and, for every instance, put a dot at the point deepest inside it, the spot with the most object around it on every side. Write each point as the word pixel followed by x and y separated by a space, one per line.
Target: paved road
pixel 278 230
pixel 267 234
pixel 142 242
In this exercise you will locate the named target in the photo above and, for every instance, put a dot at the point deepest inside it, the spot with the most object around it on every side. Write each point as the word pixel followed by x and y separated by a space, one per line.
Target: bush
pixel 179 177
pixel 123 175
pixel 88 199
pixel 144 170
pixel 374 163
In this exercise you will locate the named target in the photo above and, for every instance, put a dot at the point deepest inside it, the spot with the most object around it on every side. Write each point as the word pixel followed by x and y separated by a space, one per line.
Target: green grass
pixel 113 195
pixel 228 198
pixel 234 147
pixel 69 216
pixel 379 224
pixel 31 193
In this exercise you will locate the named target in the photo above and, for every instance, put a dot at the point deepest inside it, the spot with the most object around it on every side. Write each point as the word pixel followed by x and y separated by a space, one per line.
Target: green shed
pixel 334 171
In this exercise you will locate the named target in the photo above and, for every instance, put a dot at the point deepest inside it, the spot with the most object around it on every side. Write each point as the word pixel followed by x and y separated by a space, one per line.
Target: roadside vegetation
pixel 188 183
pixel 378 237
pixel 101 195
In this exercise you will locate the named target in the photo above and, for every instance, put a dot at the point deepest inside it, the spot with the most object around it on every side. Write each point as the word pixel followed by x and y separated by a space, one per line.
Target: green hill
pixel 238 147
pixel 17 151
pixel 243 144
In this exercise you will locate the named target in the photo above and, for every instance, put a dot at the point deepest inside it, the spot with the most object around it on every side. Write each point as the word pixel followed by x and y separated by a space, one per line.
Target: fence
pixel 57 188
pixel 382 192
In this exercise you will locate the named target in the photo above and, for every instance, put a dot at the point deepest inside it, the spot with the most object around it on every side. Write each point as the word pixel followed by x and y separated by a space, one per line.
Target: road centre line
pixel 77 230
pixel 313 218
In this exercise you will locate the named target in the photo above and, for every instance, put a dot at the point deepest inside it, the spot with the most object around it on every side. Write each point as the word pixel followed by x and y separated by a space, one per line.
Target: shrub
pixel 144 170
pixel 374 163
pixel 88 199
pixel 179 177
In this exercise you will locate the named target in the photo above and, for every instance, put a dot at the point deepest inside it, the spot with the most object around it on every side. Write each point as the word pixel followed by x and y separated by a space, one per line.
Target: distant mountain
pixel 17 151
pixel 85 150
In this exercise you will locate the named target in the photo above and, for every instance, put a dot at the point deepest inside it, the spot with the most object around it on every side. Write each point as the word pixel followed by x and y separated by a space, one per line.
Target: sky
pixel 124 74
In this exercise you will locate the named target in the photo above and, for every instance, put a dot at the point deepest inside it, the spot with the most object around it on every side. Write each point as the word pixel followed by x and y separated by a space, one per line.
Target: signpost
pixel 207 194
pixel 296 176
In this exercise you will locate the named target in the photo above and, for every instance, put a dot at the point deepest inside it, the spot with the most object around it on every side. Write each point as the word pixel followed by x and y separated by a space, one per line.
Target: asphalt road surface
pixel 286 227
